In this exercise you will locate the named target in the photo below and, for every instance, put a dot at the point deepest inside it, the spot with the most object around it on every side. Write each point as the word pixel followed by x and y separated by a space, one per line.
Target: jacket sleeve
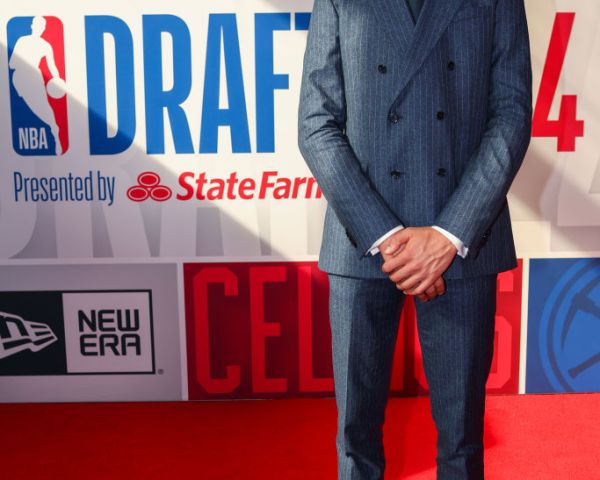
pixel 322 139
pixel 481 191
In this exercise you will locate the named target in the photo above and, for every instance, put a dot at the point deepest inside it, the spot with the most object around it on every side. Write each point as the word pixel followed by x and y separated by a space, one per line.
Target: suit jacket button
pixel 395 174
pixel 394 118
pixel 440 115
pixel 441 172
pixel 381 68
pixel 451 65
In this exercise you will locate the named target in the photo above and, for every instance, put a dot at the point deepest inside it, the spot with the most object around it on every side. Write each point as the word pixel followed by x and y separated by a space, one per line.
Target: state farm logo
pixel 148 187
pixel 200 186
pixel 17 334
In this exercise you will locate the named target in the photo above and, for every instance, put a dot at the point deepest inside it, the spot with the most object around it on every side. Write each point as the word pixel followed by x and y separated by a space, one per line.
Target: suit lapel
pixel 415 41
pixel 395 17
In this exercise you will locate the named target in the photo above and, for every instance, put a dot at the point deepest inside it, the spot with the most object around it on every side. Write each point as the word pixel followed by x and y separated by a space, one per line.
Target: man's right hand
pixel 391 247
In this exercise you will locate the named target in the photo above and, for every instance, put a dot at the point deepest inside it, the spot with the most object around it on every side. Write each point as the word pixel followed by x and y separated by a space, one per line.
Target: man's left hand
pixel 420 255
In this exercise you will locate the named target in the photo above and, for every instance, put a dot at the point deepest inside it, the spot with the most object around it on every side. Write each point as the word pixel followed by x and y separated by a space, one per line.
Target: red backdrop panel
pixel 261 330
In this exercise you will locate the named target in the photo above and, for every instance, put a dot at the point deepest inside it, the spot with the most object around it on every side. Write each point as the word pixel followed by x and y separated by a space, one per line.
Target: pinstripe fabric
pixel 415 8
pixel 364 324
pixel 456 332
pixel 417 124
pixel 366 60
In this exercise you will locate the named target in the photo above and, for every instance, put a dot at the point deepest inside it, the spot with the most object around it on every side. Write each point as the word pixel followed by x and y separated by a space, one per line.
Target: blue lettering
pixel 18 184
pixel 157 99
pixel 301 20
pixel 95 29
pixel 235 115
pixel 267 81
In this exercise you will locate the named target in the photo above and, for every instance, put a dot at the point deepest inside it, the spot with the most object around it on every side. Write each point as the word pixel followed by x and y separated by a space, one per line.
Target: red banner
pixel 261 330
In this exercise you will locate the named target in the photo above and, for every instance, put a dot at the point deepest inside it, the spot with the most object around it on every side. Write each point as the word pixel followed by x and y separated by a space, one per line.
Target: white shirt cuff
pixel 460 246
pixel 374 250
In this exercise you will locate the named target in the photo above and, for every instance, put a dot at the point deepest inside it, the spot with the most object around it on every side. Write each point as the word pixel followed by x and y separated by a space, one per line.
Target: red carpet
pixel 545 437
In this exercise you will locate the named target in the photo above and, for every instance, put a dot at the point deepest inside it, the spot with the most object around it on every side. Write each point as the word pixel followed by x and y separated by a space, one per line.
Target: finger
pixel 395 265
pixel 404 272
pixel 409 284
pixel 402 257
pixel 440 286
pixel 402 275
pixel 393 248
pixel 390 253
pixel 422 287
pixel 397 244
pixel 431 292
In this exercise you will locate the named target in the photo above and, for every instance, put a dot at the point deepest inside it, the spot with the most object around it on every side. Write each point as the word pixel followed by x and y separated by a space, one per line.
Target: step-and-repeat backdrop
pixel 159 229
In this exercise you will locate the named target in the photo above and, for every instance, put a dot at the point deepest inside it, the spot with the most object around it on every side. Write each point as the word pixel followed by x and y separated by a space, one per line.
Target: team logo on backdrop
pixel 570 329
pixel 36 69
pixel 17 334
pixel 76 332
pixel 565 325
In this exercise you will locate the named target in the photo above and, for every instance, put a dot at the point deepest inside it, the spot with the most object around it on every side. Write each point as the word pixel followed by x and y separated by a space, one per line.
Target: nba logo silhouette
pixel 38 100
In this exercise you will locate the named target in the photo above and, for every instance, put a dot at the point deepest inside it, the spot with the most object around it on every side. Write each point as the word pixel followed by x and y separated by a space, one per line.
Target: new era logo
pixel 17 334
pixel 87 332
pixel 37 85
pixel 108 332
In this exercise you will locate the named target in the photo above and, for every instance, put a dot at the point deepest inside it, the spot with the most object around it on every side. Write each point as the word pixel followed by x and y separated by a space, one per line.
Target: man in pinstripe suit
pixel 414 118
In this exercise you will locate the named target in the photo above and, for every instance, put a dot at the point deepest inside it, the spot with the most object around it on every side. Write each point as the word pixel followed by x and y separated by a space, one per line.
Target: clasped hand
pixel 415 259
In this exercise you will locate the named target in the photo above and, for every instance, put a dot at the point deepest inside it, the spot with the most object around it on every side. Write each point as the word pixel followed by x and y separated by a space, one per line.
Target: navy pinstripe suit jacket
pixel 416 124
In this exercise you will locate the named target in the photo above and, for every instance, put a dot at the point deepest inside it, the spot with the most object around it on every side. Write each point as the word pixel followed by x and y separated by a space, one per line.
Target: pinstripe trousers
pixel 456 331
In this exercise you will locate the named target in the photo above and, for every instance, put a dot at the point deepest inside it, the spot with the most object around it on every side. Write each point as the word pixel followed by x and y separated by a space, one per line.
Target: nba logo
pixel 38 101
